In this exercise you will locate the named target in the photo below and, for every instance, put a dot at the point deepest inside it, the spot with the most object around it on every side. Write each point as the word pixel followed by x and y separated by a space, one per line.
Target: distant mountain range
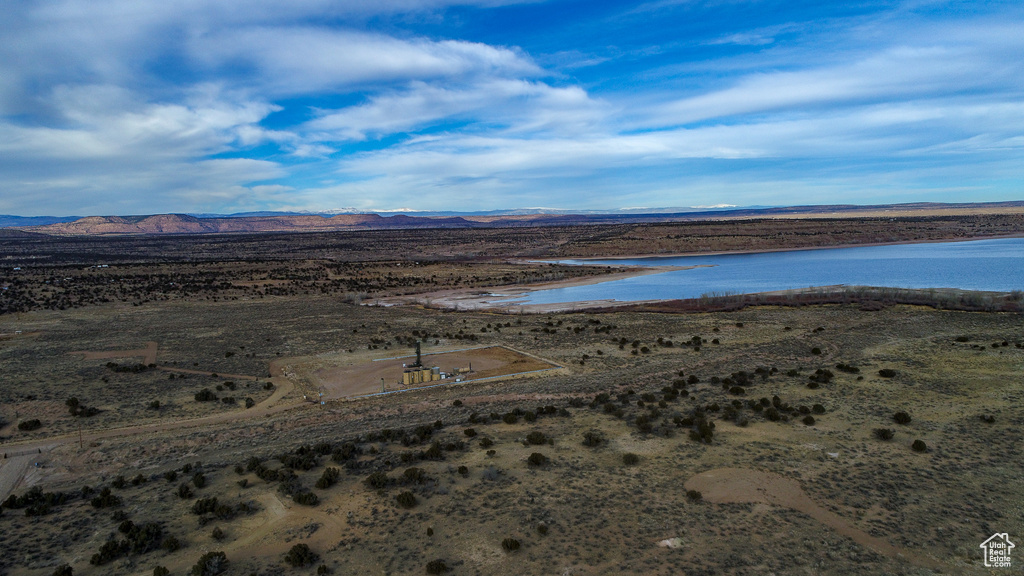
pixel 255 222
pixel 511 212
pixel 7 221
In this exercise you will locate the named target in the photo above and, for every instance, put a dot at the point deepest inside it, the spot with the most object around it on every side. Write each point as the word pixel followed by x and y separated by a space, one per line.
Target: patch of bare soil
pixel 13 469
pixel 365 378
pixel 741 485
pixel 148 354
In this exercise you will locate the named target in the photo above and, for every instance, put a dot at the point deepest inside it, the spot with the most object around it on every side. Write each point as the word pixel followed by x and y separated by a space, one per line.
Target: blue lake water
pixel 996 265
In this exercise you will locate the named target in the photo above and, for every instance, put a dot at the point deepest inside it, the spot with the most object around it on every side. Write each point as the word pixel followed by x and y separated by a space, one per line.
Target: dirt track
pixel 13 470
pixel 148 354
pixel 740 485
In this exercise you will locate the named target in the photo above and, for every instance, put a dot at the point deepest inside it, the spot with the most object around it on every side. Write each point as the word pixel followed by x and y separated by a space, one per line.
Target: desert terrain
pixel 149 428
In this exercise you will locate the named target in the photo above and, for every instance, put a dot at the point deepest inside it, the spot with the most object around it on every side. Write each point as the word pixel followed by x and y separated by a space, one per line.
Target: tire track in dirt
pixel 12 470
pixel 11 476
pixel 740 485
pixel 148 354
pixel 260 536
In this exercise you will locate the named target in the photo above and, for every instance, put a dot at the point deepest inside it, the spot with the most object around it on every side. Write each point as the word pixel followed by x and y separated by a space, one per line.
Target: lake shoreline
pixel 771 250
pixel 505 298
pixel 512 299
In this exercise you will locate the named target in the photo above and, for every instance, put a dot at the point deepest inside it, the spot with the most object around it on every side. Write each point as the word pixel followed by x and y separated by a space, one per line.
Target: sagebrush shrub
pixel 406 499
pixel 300 555
pixel 537 459
pixel 437 567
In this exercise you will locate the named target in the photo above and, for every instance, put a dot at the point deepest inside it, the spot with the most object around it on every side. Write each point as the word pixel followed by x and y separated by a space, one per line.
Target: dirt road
pixel 13 470
pixel 740 485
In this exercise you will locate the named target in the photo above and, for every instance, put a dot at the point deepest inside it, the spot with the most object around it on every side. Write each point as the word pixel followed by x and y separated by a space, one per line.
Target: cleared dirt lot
pixel 365 378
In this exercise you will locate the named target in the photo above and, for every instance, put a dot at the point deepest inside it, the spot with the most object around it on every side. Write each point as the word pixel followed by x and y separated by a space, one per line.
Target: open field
pixel 633 383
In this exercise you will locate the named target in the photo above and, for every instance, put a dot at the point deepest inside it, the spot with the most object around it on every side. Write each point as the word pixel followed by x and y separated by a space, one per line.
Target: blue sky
pixel 145 106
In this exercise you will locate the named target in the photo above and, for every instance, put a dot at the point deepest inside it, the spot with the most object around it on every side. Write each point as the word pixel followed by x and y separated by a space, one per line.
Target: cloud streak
pixel 504 103
pixel 303 60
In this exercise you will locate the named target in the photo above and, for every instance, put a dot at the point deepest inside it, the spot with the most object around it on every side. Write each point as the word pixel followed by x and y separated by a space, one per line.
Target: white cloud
pixel 112 188
pixel 107 121
pixel 119 41
pixel 897 73
pixel 499 103
pixel 745 39
pixel 137 101
pixel 89 116
pixel 875 143
pixel 922 63
pixel 304 60
pixel 111 149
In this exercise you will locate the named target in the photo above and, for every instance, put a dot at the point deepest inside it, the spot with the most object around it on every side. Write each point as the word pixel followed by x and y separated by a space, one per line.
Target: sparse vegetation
pixel 205 395
pixel 901 417
pixel 884 433
pixel 301 555
pixel 306 498
pixel 210 564
pixel 375 450
pixel 437 567
pixel 106 499
pixel 406 499
pixel 536 438
pixel 593 438
pixel 29 425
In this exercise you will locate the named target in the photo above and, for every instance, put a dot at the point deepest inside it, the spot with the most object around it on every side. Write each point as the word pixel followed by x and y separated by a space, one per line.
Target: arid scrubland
pixel 583 471
pixel 61 273
pixel 159 414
